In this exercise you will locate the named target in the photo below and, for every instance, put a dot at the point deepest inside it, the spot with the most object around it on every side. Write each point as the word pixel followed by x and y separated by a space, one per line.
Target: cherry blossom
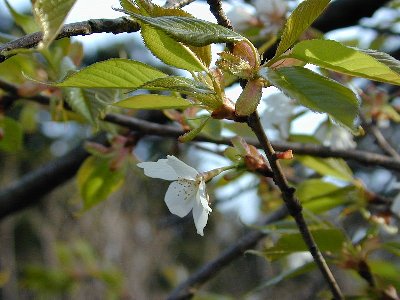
pixel 186 192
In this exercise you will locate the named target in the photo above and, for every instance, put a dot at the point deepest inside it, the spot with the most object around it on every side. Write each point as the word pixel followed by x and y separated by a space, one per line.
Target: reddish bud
pixel 288 154
pixel 244 51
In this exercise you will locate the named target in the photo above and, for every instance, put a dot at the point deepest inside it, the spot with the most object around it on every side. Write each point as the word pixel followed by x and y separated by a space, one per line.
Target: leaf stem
pixel 293 204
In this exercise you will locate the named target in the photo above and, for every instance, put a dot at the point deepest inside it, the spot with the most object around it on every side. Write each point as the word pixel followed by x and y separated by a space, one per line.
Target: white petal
pixel 160 169
pixel 181 196
pixel 182 169
pixel 203 196
pixel 201 210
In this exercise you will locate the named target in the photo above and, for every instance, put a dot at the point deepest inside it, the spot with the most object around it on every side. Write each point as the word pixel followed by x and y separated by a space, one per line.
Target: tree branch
pixel 380 139
pixel 150 128
pixel 28 190
pixel 187 289
pixel 115 26
pixel 293 205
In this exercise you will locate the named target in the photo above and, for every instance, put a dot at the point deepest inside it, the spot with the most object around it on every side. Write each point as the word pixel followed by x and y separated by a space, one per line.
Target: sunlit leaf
pixel 178 84
pixel 96 181
pixel 170 51
pixel 300 19
pixel 191 31
pixel 153 101
pixel 335 56
pixel 190 135
pixel 316 92
pixel 51 14
pixel 113 73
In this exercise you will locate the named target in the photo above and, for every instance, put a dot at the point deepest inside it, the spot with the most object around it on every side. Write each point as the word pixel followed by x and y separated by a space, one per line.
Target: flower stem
pixel 212 173
pixel 293 204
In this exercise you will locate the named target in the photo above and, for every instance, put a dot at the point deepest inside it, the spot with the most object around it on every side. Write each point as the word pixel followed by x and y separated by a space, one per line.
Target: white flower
pixel 186 192
pixel 279 109
pixel 270 7
pixel 240 17
pixel 335 136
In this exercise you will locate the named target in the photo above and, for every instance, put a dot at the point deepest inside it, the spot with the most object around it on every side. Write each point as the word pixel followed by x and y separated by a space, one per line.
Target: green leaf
pixel 27 23
pixel 300 19
pixel 190 31
pixel 392 247
pixel 89 103
pixel 178 84
pixel 319 196
pixel 316 92
pixel 334 167
pixel 327 240
pixel 167 49
pixel 153 101
pixel 386 270
pixel 170 51
pixel 96 181
pixel 11 135
pixel 190 135
pixel 51 14
pixel 112 73
pixel 291 273
pixel 335 56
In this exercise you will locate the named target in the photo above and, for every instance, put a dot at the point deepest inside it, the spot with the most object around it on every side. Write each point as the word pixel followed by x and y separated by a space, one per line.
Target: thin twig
pixel 219 14
pixel 187 289
pixel 115 26
pixel 293 204
pixel 380 139
pixel 150 128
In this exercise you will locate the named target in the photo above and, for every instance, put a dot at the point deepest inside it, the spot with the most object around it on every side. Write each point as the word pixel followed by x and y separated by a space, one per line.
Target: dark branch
pixel 29 189
pixel 187 288
pixel 380 139
pixel 293 205
pixel 367 158
pixel 114 26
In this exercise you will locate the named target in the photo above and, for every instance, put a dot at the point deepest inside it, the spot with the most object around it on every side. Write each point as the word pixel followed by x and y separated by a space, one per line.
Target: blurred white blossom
pixel 335 136
pixel 277 114
pixel 269 15
pixel 187 191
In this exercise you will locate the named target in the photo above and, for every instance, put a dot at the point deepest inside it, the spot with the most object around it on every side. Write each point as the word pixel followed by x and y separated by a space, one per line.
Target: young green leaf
pixel 112 73
pixel 190 135
pixel 291 273
pixel 316 92
pixel 334 167
pixel 170 51
pixel 177 84
pixel 96 181
pixel 11 135
pixel 190 31
pixel 327 240
pixel 153 101
pixel 335 56
pixel 89 103
pixel 300 19
pixel 318 196
pixel 51 14
pixel 27 23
